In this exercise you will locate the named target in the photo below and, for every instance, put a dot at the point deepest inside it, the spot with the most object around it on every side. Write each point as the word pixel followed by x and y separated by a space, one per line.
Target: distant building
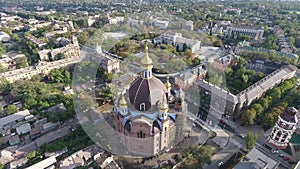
pixel 234 10
pixel 48 163
pixel 134 22
pixel 189 25
pixel 36 41
pixel 17 163
pixel 161 24
pixel 4 37
pixel 178 41
pixel 255 33
pixel 284 128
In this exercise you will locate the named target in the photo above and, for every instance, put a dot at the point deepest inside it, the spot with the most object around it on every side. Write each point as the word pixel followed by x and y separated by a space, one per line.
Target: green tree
pixel 258 108
pixel 249 116
pixel 31 155
pixel 3 69
pixel 201 154
pixel 2 166
pixel 251 140
pixel 11 109
pixel 21 62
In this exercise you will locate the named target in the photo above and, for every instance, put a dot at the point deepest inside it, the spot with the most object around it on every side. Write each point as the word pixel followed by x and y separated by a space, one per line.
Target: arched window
pixel 142 107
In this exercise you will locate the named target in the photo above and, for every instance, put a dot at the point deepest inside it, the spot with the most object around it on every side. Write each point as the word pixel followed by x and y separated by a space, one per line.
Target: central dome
pixel 146 93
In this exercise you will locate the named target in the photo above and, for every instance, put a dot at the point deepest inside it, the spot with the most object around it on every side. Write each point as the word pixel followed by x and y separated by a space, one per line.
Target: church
pixel 147 117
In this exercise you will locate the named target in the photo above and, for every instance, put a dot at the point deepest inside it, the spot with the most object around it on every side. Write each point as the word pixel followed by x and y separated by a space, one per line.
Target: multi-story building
pixel 255 33
pixel 189 25
pixel 9 60
pixel 231 103
pixel 178 41
pixel 144 120
pixel 186 79
pixel 235 10
pixel 284 128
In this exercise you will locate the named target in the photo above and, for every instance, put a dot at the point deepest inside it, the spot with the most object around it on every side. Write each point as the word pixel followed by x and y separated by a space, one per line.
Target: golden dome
pixel 168 84
pixel 146 62
pixel 122 102
pixel 163 106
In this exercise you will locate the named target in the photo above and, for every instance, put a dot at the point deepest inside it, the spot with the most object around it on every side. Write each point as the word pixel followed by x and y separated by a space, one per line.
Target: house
pixel 4 37
pixel 6 122
pixel 186 79
pixel 134 22
pixel 110 64
pixel 23 129
pixel 189 25
pixel 59 108
pixel 50 126
pixel 161 24
pixel 9 59
pixel 14 140
pixel 18 163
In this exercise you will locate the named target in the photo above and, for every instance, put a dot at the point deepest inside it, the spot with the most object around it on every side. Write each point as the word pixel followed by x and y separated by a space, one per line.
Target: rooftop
pixel 14 117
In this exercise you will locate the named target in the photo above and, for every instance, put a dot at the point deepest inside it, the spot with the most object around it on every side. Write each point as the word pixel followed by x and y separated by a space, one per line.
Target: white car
pixel 275 151
pixel 220 163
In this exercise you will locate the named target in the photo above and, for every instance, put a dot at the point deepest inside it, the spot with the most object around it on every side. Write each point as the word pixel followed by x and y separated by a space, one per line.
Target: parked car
pixel 220 163
pixel 287 158
pixel 241 136
pixel 275 151
pixel 282 155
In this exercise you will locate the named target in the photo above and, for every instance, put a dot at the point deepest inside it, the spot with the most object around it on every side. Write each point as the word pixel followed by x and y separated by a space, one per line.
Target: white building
pixel 134 22
pixel 23 129
pixel 255 33
pixel 161 24
pixel 178 41
pixel 4 37
pixel 284 128
pixel 7 121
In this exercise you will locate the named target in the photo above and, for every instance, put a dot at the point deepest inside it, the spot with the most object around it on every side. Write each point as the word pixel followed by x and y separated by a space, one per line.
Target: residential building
pixel 36 41
pixel 23 129
pixel 189 25
pixel 134 22
pixel 178 41
pixel 9 60
pixel 255 33
pixel 284 128
pixel 7 121
pixel 18 163
pixel 257 159
pixel 110 64
pixel 4 37
pixel 14 140
pixel 187 78
pixel 59 31
pixel 229 104
pixel 234 10
pixel 161 24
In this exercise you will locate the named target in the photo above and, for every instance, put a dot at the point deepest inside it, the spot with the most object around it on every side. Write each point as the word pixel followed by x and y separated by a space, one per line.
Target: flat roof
pixel 256 154
pixel 44 164
pixel 11 118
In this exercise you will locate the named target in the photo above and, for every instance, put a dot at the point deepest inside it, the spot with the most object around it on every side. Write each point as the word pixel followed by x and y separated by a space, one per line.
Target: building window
pixel 142 107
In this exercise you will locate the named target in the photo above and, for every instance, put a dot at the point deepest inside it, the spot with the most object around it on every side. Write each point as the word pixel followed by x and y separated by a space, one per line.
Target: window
pixel 142 107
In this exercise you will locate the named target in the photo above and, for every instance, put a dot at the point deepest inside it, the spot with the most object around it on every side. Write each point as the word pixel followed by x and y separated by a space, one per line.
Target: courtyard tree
pixel 249 116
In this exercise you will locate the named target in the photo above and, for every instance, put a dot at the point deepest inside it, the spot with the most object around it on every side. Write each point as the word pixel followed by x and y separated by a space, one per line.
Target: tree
pixel 21 62
pixel 11 109
pixel 202 155
pixel 249 116
pixel 3 69
pixel 31 155
pixel 251 140
pixel 258 108
pixel 2 166
pixel 218 43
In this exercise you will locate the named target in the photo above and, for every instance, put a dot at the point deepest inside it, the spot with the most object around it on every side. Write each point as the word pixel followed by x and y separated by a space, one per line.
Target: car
pixel 222 121
pixel 275 151
pixel 292 162
pixel 220 163
pixel 241 136
pixel 281 155
pixel 287 158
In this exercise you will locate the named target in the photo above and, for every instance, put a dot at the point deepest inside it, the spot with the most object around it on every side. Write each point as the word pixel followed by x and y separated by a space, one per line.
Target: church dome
pixel 146 93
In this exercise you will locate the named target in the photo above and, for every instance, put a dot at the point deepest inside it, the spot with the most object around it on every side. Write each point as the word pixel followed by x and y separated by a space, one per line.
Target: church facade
pixel 147 117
